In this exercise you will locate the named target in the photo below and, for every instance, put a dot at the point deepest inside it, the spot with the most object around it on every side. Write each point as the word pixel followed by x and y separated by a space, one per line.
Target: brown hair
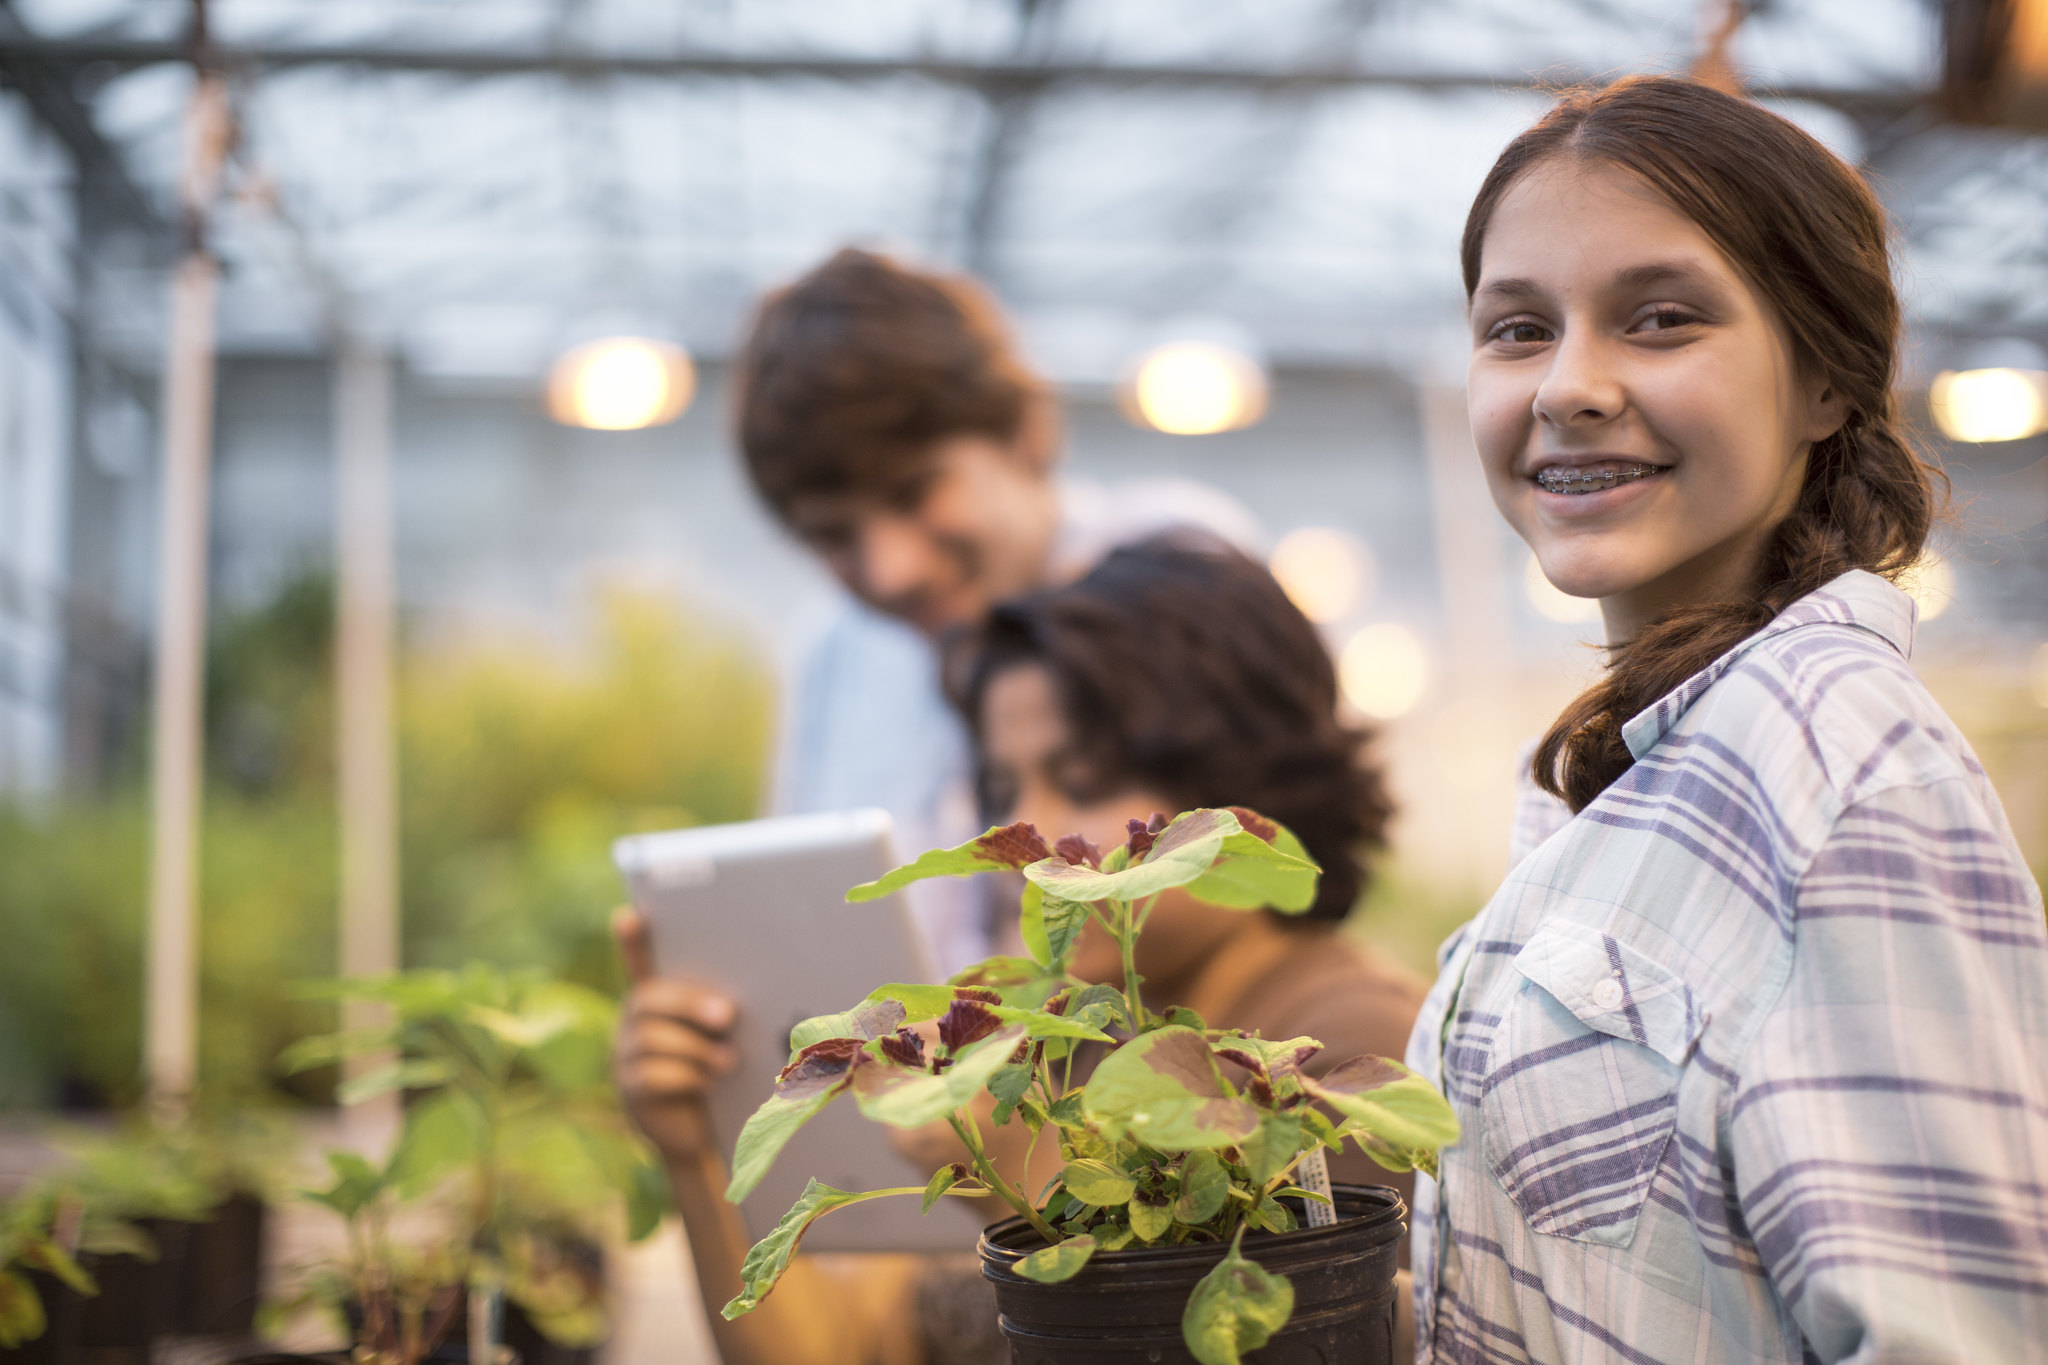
pixel 1811 238
pixel 1181 666
pixel 850 376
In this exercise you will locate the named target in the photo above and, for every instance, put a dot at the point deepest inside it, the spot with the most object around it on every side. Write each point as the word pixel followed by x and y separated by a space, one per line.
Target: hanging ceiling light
pixel 1327 573
pixel 1989 405
pixel 621 384
pixel 1196 388
pixel 1383 670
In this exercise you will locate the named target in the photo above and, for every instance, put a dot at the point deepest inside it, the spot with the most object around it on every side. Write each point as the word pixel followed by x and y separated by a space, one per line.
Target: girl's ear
pixel 1826 410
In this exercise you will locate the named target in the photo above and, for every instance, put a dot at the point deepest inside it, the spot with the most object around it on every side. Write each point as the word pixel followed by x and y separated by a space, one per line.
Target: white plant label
pixel 1312 1173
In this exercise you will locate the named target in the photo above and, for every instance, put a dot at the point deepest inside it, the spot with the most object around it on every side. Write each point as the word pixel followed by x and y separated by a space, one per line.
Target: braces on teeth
pixel 1576 481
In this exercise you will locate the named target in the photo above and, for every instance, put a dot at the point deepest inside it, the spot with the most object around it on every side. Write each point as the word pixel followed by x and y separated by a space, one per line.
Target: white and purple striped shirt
pixel 1752 1054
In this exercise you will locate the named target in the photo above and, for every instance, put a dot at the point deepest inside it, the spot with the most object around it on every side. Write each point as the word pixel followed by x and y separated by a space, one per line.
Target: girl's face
pixel 1031 764
pixel 1641 416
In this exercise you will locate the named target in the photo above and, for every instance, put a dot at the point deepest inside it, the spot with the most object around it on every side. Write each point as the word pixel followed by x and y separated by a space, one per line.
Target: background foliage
pixel 520 762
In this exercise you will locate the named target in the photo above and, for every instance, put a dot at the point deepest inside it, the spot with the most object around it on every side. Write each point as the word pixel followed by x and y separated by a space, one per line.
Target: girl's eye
pixel 1665 319
pixel 1519 332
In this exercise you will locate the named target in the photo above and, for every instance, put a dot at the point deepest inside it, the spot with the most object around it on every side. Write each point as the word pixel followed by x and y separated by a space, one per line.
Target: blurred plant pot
pixel 205 1281
pixel 1127 1305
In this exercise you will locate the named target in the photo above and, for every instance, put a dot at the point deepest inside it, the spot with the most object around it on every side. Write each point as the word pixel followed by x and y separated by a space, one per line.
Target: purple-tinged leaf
pixel 968 1021
pixel 1018 845
pixel 904 1048
pixel 1140 842
pixel 907 1099
pixel 869 1019
pixel 1254 823
pixel 1164 1089
pixel 1270 1059
pixel 1007 846
pixel 1386 1101
pixel 1078 850
pixel 820 1073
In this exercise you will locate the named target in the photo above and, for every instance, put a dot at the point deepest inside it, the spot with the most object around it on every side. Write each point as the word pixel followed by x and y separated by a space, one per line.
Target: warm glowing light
pixel 1931 583
pixel 621 384
pixel 1383 670
pixel 1193 388
pixel 1989 405
pixel 2038 681
pixel 1327 573
pixel 1552 602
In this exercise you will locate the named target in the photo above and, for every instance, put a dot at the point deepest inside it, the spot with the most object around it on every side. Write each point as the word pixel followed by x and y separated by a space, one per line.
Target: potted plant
pixel 512 1164
pixel 51 1240
pixel 1179 1203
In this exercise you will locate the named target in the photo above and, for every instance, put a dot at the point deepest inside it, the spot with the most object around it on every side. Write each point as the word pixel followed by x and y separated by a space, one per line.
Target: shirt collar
pixel 1858 598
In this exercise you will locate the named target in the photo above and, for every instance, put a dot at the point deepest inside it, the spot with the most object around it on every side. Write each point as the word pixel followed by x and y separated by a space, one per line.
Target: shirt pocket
pixel 1582 1097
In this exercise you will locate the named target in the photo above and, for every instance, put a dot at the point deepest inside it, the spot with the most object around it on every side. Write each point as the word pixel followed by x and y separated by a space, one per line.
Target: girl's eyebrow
pixel 1508 287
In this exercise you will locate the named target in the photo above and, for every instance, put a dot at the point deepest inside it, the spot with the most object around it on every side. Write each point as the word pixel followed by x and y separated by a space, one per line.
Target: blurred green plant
pixel 520 762
pixel 514 1137
pixel 92 1202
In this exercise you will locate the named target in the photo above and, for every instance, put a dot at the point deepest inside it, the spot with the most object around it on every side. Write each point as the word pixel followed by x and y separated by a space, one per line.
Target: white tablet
pixel 759 910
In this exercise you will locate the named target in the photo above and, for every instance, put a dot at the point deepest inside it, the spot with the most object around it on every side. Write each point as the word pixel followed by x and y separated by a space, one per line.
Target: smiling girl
pixel 1749 1049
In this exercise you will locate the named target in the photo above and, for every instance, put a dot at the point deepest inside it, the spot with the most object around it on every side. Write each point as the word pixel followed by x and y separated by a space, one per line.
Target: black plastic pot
pixel 1127 1305
pixel 206 1280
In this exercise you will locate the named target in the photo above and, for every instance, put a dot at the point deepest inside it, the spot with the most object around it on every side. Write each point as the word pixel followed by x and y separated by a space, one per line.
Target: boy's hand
pixel 669 1048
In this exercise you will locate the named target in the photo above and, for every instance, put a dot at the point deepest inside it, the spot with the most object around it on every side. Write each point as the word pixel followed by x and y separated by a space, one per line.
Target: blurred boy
pixel 888 420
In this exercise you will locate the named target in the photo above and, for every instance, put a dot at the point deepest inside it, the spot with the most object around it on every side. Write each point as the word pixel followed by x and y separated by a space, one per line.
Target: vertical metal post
pixel 171 1014
pixel 366 758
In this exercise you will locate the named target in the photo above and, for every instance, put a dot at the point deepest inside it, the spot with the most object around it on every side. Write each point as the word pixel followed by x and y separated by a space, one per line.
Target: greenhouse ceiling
pixel 473 181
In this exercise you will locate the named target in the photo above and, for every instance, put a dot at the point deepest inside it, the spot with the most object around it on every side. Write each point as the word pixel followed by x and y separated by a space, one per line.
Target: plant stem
pixel 1127 942
pixel 963 1125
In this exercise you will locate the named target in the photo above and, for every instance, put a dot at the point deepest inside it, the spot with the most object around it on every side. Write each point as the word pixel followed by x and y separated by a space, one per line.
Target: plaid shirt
pixel 1752 1054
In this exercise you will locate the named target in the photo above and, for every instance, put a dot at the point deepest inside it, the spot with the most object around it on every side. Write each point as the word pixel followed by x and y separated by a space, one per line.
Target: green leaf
pixel 648 1201
pixel 1274 1059
pixel 1004 846
pixel 1039 1024
pixel 1267 1152
pixel 46 1254
pixel 1008 1086
pixel 918 1000
pixel 803 1089
pixel 1182 852
pixel 911 1099
pixel 326 1049
pixel 1164 1089
pixel 1237 1307
pixel 1272 1215
pixel 1112 1236
pixel 1296 1192
pixel 21 1310
pixel 770 1256
pixel 1387 1101
pixel 1050 925
pixel 943 1179
pixel 357 1184
pixel 1204 1189
pixel 1058 1262
pixel 411 1074
pixel 871 1018
pixel 1150 1222
pixel 1098 1182
pixel 1252 874
pixel 440 1135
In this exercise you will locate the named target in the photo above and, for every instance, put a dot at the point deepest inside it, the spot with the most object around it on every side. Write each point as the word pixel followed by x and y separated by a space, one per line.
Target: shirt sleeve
pixel 1889 1129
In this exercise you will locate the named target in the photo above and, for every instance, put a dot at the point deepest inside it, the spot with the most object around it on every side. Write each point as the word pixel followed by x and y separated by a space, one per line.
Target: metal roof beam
pixel 998 74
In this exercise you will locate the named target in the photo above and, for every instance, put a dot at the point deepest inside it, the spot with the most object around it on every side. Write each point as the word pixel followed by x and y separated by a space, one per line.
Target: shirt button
pixel 1607 994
